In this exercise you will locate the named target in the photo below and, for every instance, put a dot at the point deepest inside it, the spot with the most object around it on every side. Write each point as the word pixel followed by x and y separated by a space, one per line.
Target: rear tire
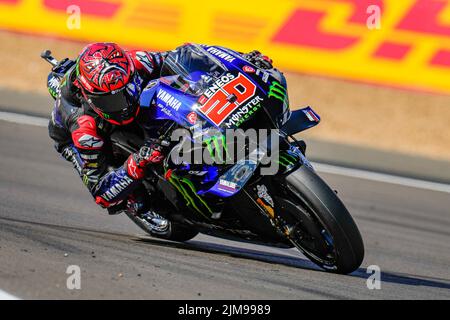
pixel 322 202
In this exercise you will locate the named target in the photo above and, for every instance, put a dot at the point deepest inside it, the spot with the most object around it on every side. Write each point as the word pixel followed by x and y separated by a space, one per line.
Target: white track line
pixel 6 296
pixel 381 177
pixel 325 168
pixel 23 119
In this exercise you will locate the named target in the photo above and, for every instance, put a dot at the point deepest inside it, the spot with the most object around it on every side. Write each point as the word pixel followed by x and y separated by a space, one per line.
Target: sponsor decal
pixel 86 84
pixel 248 69
pixel 134 87
pixel 263 74
pixel 311 115
pixel 86 140
pixel 202 100
pixel 227 186
pixel 145 60
pixel 54 83
pixel 240 173
pixel 226 98
pixel 221 54
pixel 208 78
pixel 165 110
pixel 266 207
pixel 277 91
pixel 244 113
pixel 168 99
pixel 117 188
pixel 216 145
pixel 192 117
pixel 132 167
pixel 264 194
pixel 189 192
pixel 287 159
pixel 219 83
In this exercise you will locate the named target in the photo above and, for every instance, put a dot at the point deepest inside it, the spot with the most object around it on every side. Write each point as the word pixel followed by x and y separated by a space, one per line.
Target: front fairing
pixel 185 93
pixel 213 84
pixel 167 103
pixel 272 109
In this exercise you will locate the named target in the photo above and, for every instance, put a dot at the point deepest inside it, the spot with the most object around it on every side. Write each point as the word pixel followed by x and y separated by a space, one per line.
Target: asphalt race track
pixel 48 222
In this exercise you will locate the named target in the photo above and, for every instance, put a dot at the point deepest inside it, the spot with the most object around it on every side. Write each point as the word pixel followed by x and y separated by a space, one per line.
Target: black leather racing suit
pixel 82 136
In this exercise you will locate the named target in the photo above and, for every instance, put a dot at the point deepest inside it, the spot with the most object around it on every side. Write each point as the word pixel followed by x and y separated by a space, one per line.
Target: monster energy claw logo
pixel 287 160
pixel 277 91
pixel 189 193
pixel 215 146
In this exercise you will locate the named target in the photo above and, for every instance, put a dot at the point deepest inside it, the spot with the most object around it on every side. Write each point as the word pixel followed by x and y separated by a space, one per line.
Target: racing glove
pixel 138 162
pixel 259 60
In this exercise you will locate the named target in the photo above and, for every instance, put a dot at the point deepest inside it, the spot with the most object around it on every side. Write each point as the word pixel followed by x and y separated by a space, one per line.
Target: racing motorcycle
pixel 204 89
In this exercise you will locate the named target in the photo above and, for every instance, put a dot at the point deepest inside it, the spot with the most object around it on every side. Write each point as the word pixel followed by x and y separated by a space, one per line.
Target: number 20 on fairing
pixel 218 108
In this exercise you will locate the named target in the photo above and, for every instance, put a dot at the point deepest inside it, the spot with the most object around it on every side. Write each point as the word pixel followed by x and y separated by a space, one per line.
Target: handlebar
pixel 47 56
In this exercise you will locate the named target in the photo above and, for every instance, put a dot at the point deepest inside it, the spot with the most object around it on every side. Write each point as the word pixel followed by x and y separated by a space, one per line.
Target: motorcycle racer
pixel 98 93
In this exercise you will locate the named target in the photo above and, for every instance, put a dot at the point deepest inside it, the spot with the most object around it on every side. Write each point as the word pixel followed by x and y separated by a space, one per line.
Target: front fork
pixel 264 197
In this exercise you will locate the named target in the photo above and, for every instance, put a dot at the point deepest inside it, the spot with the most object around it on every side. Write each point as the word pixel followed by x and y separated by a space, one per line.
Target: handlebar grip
pixel 46 54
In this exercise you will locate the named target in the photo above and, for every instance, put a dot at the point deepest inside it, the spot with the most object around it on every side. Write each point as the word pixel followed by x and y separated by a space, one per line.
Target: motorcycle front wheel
pixel 322 228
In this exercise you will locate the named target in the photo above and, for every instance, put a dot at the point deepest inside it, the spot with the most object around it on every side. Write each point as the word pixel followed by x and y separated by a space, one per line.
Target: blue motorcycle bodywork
pixel 170 103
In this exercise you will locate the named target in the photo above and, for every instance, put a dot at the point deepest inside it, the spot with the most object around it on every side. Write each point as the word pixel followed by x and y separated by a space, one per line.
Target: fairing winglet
pixel 301 120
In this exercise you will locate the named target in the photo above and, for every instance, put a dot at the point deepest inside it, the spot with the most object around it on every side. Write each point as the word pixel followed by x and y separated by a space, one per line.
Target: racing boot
pixel 155 222
pixel 137 205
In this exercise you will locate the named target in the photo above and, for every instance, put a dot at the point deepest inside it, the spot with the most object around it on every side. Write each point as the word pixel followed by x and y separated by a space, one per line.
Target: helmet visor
pixel 119 107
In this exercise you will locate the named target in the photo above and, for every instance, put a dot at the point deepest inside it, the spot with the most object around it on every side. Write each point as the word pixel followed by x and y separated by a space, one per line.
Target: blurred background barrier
pixel 409 47
pixel 320 44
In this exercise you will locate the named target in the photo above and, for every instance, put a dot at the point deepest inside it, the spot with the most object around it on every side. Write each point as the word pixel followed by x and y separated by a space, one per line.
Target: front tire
pixel 312 201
